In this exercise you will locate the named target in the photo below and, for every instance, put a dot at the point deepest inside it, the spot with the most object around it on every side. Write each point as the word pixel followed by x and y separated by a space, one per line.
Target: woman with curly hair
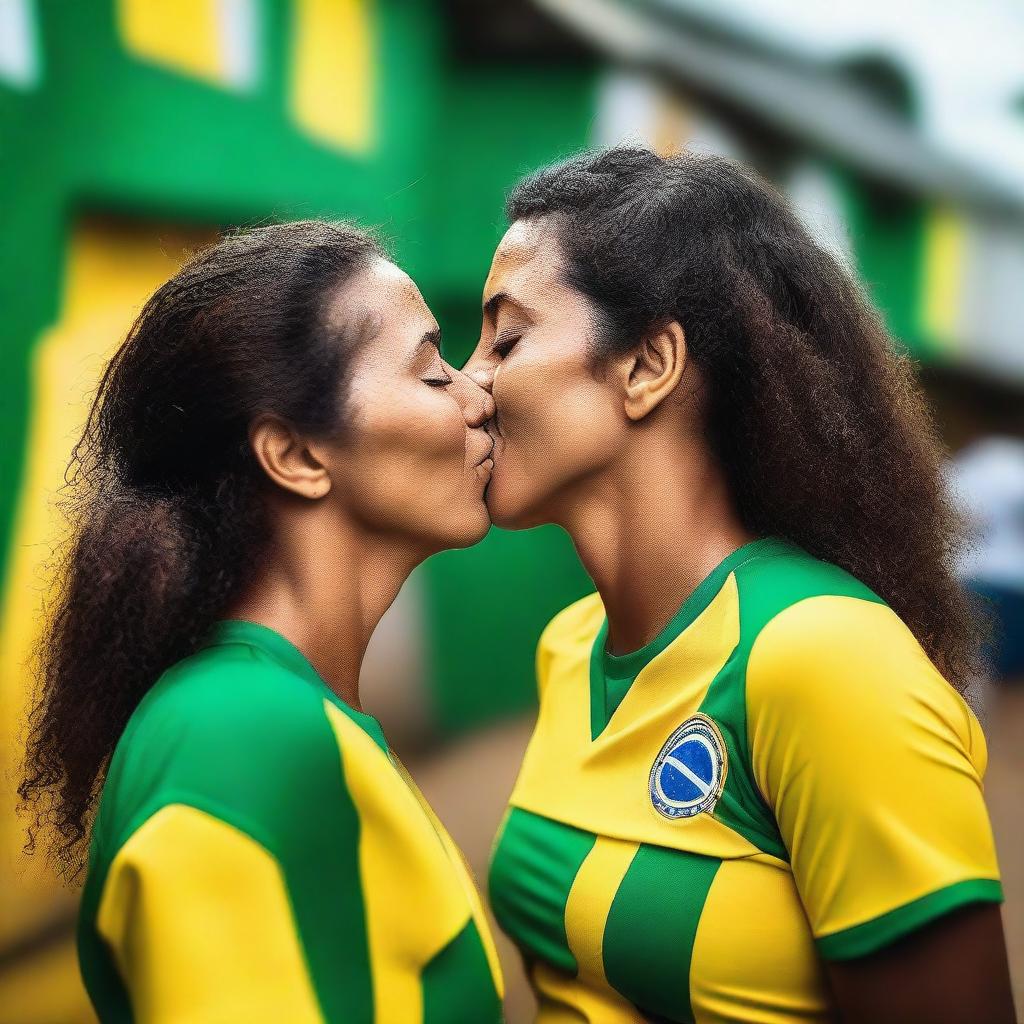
pixel 272 450
pixel 753 792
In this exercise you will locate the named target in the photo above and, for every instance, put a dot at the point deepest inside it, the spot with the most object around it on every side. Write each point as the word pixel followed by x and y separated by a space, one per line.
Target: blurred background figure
pixel 132 130
pixel 988 478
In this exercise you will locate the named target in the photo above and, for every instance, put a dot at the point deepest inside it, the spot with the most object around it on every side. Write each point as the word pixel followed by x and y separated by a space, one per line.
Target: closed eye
pixel 504 344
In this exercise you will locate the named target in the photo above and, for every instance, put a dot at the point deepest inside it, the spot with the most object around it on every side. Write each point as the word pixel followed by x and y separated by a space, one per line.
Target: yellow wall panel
pixel 333 84
pixel 184 35
pixel 112 267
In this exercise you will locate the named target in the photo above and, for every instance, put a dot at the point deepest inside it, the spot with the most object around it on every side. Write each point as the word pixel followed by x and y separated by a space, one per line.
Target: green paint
pixel 651 927
pixel 534 865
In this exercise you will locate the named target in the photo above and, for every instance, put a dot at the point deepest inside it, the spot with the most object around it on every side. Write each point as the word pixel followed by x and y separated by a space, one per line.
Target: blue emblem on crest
pixel 689 772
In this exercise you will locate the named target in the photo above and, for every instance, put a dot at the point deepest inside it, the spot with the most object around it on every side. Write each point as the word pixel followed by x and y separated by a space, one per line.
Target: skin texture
pixel 352 517
pixel 616 454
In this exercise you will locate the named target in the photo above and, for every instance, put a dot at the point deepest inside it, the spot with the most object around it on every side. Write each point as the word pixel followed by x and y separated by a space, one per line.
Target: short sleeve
pixel 873 765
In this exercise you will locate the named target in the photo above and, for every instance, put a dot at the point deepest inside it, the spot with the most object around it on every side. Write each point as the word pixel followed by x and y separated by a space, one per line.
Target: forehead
pixel 378 297
pixel 527 261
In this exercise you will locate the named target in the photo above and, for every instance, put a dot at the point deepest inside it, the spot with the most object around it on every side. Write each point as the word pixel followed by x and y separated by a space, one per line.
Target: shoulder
pixel 230 732
pixel 770 584
pixel 839 668
pixel 574 625
pixel 231 697
pixel 569 637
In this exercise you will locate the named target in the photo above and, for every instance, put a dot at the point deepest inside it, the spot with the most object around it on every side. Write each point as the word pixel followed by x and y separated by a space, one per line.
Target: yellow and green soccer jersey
pixel 259 856
pixel 781 776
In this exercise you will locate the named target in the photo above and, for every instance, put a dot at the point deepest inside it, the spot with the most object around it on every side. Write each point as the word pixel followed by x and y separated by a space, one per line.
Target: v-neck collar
pixel 286 654
pixel 612 675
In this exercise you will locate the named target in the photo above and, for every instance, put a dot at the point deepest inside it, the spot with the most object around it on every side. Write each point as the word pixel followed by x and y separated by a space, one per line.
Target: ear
pixel 653 369
pixel 287 459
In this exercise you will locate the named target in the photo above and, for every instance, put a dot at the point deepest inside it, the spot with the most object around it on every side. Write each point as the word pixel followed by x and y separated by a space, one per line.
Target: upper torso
pixel 780 777
pixel 259 855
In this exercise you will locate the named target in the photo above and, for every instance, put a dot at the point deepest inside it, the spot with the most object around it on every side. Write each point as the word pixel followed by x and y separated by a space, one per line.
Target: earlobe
pixel 287 459
pixel 656 367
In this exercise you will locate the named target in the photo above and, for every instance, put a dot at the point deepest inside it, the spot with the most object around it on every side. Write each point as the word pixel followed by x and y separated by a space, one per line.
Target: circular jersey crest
pixel 689 772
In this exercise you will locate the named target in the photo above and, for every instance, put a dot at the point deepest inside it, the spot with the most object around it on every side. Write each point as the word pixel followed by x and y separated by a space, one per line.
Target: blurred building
pixel 132 130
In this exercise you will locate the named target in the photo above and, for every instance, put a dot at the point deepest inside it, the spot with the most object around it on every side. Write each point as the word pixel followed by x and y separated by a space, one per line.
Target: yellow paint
pixel 590 899
pixel 160 915
pixel 333 84
pixel 184 35
pixel 594 793
pixel 753 946
pixel 406 925
pixel 942 285
pixel 111 269
pixel 845 710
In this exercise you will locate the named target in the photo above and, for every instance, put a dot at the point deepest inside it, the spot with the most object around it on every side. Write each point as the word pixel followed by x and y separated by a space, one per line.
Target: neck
pixel 649 531
pixel 325 587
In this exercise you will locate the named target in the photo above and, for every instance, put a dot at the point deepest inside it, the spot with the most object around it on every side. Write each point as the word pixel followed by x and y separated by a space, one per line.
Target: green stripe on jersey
pixel 651 927
pixel 535 863
pixel 457 983
pixel 778 575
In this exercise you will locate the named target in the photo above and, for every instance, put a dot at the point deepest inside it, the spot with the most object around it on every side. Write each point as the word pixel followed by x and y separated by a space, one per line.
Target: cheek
pixel 557 424
pixel 407 455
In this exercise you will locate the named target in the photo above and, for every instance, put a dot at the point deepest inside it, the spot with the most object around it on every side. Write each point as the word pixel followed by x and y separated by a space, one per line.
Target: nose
pixel 480 373
pixel 477 404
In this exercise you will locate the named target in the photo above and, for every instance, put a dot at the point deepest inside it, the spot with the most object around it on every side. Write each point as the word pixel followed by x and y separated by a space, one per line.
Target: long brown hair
pixel 163 491
pixel 819 423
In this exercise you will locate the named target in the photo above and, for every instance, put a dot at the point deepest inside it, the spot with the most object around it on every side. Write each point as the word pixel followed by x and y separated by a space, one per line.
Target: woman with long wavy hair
pixel 272 450
pixel 753 792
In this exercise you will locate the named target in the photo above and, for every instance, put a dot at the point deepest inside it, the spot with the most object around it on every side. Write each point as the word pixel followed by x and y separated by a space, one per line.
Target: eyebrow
pixel 492 304
pixel 432 337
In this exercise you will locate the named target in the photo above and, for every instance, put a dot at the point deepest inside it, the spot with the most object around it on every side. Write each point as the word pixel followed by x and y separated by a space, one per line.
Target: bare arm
pixel 952 971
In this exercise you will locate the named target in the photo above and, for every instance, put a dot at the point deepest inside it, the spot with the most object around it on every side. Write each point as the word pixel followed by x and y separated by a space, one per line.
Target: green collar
pixel 286 654
pixel 612 675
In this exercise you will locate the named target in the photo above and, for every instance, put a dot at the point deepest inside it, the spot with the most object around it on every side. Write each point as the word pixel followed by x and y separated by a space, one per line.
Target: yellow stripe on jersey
pixel 467 881
pixel 579 781
pixel 406 926
pixel 872 763
pixel 565 1000
pixel 774 946
pixel 160 914
pixel 590 899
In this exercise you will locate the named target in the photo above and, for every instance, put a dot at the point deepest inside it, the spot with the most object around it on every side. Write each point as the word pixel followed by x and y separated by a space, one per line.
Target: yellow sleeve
pixel 872 764
pixel 198 917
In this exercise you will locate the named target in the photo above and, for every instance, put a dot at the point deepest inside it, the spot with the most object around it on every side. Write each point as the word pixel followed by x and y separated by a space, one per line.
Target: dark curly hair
pixel 163 493
pixel 818 422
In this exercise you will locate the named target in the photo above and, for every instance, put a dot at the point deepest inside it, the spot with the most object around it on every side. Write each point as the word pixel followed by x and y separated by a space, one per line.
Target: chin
pixel 470 529
pixel 512 510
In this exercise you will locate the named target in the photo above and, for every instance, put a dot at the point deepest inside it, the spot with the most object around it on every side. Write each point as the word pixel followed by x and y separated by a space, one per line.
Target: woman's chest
pixel 624 931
